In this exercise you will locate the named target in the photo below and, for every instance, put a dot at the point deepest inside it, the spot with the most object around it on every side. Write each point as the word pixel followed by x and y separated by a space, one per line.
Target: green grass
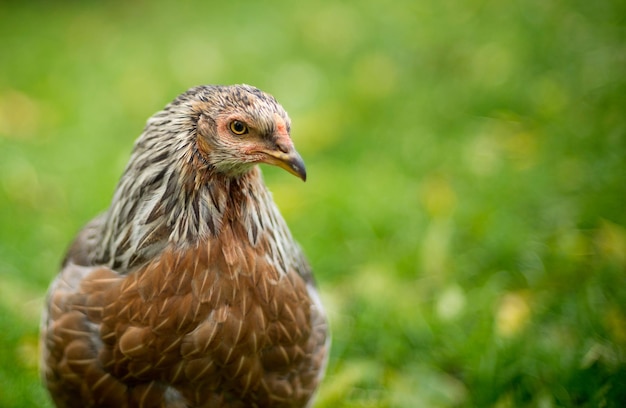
pixel 465 211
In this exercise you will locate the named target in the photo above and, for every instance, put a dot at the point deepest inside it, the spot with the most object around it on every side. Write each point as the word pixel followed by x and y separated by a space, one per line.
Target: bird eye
pixel 238 127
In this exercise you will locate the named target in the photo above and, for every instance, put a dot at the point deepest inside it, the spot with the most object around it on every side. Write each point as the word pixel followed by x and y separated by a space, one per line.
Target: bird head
pixel 180 174
pixel 239 126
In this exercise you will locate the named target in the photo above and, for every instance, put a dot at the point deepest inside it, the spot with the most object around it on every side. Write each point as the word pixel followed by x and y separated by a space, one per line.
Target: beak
pixel 289 160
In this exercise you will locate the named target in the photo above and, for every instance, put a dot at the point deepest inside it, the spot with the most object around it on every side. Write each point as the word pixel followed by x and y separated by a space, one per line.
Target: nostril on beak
pixel 283 145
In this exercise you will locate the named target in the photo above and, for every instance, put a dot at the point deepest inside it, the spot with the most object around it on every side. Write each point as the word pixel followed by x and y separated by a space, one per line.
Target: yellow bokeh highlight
pixel 512 315
pixel 438 197
pixel 611 241
pixel 20 115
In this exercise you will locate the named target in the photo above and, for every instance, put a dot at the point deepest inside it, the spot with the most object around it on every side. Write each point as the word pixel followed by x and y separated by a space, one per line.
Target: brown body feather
pixel 189 291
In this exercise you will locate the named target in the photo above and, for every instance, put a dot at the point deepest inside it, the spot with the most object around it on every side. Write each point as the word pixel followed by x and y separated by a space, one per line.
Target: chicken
pixel 189 291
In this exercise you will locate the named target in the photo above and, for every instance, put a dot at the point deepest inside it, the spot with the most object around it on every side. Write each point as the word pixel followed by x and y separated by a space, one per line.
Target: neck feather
pixel 180 200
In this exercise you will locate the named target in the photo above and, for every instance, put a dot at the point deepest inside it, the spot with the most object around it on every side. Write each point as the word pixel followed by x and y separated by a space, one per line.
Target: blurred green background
pixel 465 211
